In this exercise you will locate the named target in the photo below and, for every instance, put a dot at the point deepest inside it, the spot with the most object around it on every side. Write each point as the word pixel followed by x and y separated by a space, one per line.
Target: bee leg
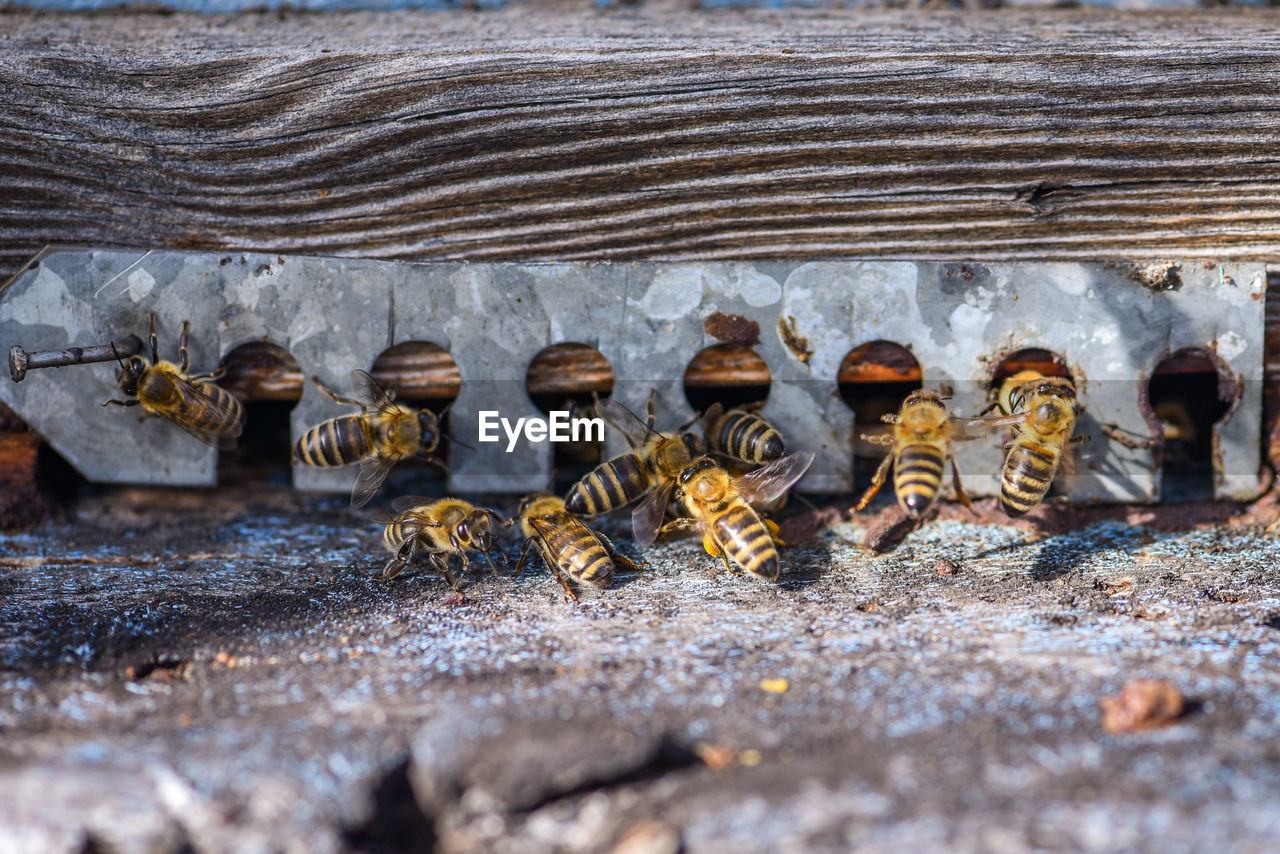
pixel 960 496
pixel 441 563
pixel 677 525
pixel 182 346
pixel 525 553
pixel 393 568
pixel 650 417
pixel 155 346
pixel 772 527
pixel 624 562
pixel 334 396
pixel 890 418
pixel 120 402
pixel 882 471
pixel 713 549
pixel 565 584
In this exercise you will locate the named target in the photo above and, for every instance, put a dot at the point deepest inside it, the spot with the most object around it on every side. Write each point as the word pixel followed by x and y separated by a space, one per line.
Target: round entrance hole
pixel 568 377
pixel 1189 395
pixel 728 374
pixel 874 379
pixel 268 382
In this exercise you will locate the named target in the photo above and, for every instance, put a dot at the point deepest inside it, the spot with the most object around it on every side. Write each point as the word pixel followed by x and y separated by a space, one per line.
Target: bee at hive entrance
pixel 422 375
pixel 1189 395
pixel 1019 367
pixel 874 379
pixel 569 377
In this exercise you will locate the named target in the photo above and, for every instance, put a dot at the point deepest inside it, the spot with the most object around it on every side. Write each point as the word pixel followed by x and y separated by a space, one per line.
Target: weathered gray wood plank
pixel 551 132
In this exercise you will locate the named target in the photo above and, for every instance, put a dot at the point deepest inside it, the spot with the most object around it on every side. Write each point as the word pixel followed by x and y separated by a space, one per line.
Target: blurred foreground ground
pixel 190 671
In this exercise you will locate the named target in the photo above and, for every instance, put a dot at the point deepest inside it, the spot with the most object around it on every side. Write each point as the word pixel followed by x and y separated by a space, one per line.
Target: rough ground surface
pixel 219 672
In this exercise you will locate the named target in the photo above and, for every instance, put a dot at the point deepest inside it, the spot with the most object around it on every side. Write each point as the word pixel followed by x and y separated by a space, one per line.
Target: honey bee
pixel 384 433
pixel 920 448
pixel 439 527
pixel 567 546
pixel 1043 417
pixel 742 435
pixel 211 414
pixel 719 506
pixel 649 471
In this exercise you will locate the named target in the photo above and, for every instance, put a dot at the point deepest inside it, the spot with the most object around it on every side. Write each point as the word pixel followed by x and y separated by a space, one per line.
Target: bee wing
pixel 766 484
pixel 200 406
pixel 405 503
pixel 967 429
pixel 382 517
pixel 647 518
pixel 624 421
pixel 373 471
pixel 369 392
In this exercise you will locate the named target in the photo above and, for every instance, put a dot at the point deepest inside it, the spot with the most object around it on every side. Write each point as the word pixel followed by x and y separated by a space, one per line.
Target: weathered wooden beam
pixel 550 131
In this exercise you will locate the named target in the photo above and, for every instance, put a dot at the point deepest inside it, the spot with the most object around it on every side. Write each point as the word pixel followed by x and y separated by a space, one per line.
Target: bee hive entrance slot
pixel 1189 395
pixel 728 374
pixel 874 379
pixel 268 381
pixel 568 377
pixel 422 375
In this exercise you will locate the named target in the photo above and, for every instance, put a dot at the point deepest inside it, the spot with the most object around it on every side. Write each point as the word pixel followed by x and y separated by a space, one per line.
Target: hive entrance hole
pixel 568 377
pixel 874 379
pixel 268 381
pixel 1189 395
pixel 728 374
pixel 422 375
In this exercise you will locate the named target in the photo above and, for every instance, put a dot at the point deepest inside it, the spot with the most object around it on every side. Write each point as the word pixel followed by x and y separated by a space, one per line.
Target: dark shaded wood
pixel 554 131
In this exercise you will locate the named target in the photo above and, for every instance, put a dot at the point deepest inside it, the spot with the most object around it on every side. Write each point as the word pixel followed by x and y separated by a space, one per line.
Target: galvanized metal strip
pixel 334 315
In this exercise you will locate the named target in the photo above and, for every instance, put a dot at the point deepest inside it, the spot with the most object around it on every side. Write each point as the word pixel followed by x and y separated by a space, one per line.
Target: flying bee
pixel 439 527
pixel 567 546
pixel 211 414
pixel 742 435
pixel 1042 412
pixel 719 506
pixel 384 433
pixel 649 471
pixel 920 448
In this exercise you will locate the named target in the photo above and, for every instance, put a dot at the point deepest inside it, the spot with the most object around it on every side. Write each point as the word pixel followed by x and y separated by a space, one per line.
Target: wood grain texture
pixel 550 131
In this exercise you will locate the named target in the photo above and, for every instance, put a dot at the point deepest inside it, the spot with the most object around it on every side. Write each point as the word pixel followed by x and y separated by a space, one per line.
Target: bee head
pixel 131 371
pixel 695 468
pixel 476 530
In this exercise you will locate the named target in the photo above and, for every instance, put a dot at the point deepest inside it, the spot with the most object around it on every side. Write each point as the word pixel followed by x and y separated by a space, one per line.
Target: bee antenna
pixel 456 441
pixel 117 352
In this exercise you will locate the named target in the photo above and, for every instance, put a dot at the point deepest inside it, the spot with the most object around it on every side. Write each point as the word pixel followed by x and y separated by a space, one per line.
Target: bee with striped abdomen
pixel 719 506
pixel 567 546
pixel 382 434
pixel 920 448
pixel 649 471
pixel 1042 413
pixel 211 414
pixel 440 527
pixel 742 435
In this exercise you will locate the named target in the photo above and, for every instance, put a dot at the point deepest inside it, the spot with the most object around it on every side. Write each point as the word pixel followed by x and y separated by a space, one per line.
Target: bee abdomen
pixel 1028 471
pixel 751 438
pixel 336 442
pixel 581 555
pixel 611 485
pixel 917 478
pixel 747 541
pixel 227 416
